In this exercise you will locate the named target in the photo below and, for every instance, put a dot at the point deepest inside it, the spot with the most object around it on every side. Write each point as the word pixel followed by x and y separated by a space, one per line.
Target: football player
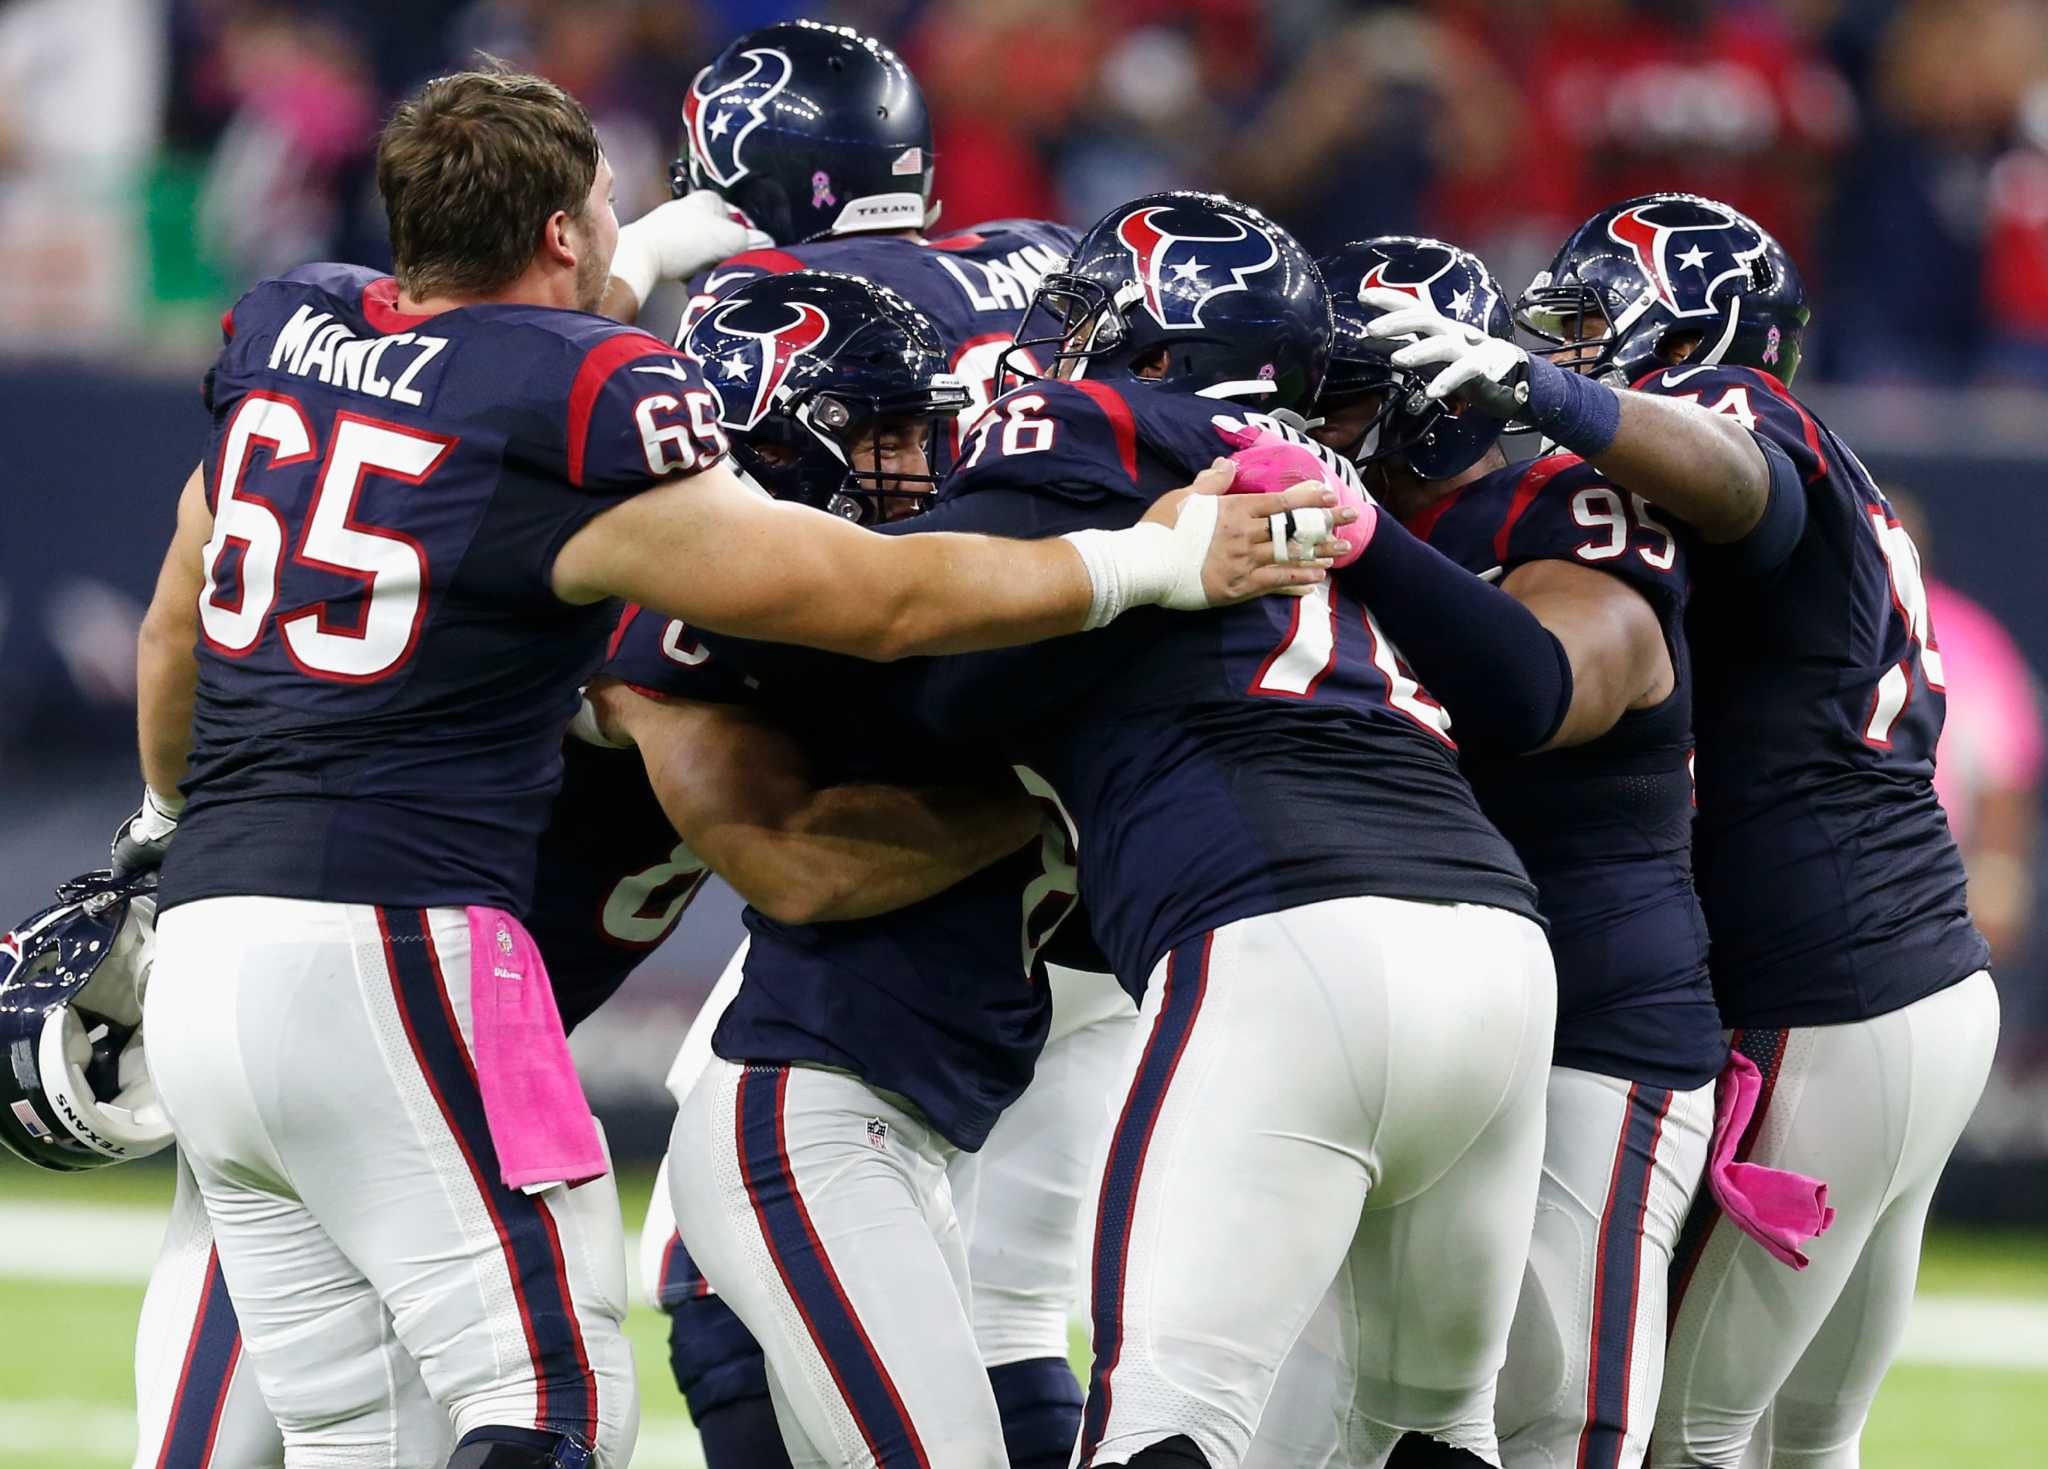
pixel 906 1034
pixel 613 880
pixel 822 135
pixel 1345 996
pixel 1603 821
pixel 1843 955
pixel 362 653
pixel 832 424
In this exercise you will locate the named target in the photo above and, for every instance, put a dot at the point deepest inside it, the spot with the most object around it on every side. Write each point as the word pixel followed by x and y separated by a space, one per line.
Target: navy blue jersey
pixel 1832 887
pixel 385 672
pixel 1219 765
pixel 973 285
pixel 612 881
pixel 1605 827
pixel 944 1001
pixel 614 877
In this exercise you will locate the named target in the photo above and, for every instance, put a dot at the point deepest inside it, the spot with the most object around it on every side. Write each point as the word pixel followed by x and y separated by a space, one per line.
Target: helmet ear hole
pixel 1677 347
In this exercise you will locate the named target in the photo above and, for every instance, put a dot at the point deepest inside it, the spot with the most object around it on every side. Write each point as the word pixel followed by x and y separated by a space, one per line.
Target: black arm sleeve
pixel 1503 675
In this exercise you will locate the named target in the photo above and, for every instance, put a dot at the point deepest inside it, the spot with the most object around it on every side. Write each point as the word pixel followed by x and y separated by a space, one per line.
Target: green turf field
pixel 1973 1391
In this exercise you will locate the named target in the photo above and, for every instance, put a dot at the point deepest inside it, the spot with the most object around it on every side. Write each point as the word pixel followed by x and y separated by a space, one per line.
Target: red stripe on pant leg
pixel 838 1288
pixel 534 1354
pixel 1628 1357
pixel 547 1218
pixel 1600 1277
pixel 191 1351
pixel 1095 1421
pixel 761 1222
pixel 1605 1439
pixel 1692 1247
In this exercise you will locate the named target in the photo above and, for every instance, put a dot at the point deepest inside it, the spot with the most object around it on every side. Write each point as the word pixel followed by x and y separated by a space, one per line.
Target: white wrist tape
pixel 636 260
pixel 166 809
pixel 1148 564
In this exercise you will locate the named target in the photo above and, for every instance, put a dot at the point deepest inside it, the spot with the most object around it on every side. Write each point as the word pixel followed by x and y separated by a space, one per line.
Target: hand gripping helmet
pixel 74 1090
pixel 801 363
pixel 1192 292
pixel 1432 440
pixel 1642 277
pixel 811 130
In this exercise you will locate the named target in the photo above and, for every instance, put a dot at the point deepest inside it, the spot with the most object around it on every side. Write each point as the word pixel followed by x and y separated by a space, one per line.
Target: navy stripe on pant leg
pixel 566 1389
pixel 1186 981
pixel 835 1328
pixel 209 1370
pixel 1618 1262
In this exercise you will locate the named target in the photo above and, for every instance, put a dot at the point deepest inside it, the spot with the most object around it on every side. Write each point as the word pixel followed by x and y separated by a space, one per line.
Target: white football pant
pixel 198 1405
pixel 1872 1109
pixel 1023 1197
pixel 819 1209
pixel 316 1062
pixel 1621 1163
pixel 1343 1097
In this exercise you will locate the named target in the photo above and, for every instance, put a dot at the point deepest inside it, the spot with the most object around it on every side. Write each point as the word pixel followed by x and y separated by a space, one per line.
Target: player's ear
pixel 560 243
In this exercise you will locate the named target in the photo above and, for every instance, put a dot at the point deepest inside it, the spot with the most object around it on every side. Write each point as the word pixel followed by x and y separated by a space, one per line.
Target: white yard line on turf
pixel 116 1245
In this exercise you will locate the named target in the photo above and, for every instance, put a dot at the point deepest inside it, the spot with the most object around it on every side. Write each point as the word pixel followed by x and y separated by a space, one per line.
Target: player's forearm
pixel 722 557
pixel 1504 677
pixel 965 594
pixel 1703 467
pixel 859 850
pixel 166 657
pixel 166 685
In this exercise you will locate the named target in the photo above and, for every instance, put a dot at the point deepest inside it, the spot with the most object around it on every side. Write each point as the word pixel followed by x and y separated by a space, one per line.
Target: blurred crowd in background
pixel 157 156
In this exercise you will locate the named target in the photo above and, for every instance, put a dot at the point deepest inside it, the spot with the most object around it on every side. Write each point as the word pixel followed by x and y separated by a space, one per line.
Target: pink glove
pixel 1268 462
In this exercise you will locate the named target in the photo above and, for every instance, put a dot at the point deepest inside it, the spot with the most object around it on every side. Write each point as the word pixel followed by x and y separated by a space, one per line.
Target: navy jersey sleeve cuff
pixel 1771 540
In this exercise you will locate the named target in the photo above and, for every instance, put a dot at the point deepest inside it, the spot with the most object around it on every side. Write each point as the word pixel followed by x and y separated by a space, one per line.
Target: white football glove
pixel 676 240
pixel 1490 374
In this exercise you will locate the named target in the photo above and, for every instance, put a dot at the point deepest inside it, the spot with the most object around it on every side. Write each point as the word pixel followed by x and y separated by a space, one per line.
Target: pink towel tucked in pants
pixel 539 1119
pixel 1780 1210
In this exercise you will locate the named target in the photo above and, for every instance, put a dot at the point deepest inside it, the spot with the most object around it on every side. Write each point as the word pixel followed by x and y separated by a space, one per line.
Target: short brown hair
pixel 471 168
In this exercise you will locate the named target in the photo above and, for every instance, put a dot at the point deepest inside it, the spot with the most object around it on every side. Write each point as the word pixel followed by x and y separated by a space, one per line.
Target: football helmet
pixel 801 363
pixel 1640 276
pixel 1207 295
pixel 1429 438
pixel 810 130
pixel 75 1091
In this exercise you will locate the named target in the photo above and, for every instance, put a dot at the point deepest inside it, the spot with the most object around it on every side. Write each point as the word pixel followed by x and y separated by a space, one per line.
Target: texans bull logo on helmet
pixel 720 120
pixel 747 364
pixel 1182 273
pixel 1421 275
pixel 1668 240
